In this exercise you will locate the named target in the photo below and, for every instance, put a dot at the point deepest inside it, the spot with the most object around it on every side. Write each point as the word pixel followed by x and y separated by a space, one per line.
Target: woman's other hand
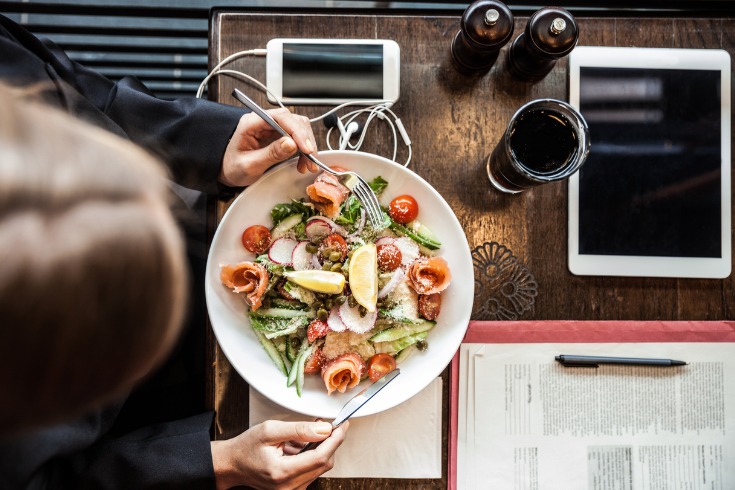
pixel 265 456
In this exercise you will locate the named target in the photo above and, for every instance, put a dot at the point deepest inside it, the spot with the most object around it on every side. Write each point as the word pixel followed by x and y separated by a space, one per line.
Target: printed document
pixel 525 422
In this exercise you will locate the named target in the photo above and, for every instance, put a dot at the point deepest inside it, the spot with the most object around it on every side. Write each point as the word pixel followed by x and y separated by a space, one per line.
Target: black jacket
pixel 135 444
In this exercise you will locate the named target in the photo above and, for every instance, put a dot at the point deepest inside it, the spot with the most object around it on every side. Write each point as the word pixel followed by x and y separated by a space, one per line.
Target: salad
pixel 331 295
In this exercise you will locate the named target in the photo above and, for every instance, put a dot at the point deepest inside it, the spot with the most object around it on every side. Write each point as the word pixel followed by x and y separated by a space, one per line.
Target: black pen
pixel 595 361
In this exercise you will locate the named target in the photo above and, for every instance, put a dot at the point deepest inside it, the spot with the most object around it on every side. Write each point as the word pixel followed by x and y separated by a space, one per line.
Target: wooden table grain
pixel 454 122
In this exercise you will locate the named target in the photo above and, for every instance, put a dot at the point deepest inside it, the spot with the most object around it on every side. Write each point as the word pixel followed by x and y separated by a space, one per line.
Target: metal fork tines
pixel 351 180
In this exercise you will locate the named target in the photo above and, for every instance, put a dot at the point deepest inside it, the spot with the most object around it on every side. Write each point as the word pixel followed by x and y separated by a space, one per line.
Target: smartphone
pixel 332 71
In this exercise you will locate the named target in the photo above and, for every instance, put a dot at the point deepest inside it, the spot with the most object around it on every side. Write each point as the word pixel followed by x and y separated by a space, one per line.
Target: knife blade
pixel 357 402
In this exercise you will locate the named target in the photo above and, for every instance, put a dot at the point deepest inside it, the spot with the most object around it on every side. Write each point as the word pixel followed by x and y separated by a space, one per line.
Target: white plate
pixel 228 312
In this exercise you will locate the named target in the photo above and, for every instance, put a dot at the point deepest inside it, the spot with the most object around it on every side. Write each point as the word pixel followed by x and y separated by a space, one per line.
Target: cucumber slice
pixel 294 367
pixel 292 374
pixel 400 331
pixel 293 348
pixel 406 353
pixel 273 353
pixel 285 225
pixel 421 240
pixel 288 304
pixel 300 369
pixel 421 229
pixel 396 346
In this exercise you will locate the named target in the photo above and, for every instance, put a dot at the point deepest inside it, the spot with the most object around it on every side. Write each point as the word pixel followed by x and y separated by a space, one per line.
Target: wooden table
pixel 454 122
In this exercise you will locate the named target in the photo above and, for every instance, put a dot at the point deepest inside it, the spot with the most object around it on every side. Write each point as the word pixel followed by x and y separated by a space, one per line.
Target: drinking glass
pixel 546 140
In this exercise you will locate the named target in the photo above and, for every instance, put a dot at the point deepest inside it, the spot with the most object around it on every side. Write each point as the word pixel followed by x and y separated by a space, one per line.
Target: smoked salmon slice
pixel 246 277
pixel 343 372
pixel 327 194
pixel 429 276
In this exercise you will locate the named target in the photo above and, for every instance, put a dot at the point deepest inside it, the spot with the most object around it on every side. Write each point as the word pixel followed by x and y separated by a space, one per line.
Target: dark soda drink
pixel 546 140
pixel 543 141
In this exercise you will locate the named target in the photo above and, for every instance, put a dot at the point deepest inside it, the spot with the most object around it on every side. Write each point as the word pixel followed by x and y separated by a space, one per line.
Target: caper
pixel 311 248
pixel 340 300
pixel 422 345
pixel 328 303
pixel 327 252
pixel 327 266
pixel 335 256
pixel 322 314
pixel 321 296
pixel 362 310
pixel 336 267
pixel 352 301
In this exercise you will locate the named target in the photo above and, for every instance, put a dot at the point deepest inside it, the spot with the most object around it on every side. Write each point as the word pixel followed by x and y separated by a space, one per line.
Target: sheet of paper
pixel 539 425
pixel 413 430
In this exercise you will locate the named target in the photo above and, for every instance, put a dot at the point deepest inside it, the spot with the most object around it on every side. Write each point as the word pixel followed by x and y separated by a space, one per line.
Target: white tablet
pixel 653 198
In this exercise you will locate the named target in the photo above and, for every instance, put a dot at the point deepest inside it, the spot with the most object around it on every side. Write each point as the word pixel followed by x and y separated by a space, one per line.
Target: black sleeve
pixel 189 134
pixel 175 455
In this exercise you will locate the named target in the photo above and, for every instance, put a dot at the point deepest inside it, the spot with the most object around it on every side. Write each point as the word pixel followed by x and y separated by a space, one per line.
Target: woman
pixel 92 292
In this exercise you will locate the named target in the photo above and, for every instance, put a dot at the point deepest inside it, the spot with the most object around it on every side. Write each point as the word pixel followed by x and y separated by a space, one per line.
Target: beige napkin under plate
pixel 403 442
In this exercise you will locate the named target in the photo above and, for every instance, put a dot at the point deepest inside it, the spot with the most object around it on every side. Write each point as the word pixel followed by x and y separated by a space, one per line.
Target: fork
pixel 351 180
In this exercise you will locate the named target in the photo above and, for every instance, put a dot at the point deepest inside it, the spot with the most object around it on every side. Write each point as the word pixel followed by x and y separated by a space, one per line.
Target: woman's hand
pixel 265 456
pixel 255 147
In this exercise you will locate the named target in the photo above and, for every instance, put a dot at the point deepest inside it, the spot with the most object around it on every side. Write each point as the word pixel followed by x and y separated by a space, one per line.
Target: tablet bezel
pixel 652 266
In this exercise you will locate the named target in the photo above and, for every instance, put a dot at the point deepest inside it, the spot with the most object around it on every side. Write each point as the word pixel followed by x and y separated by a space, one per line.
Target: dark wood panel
pixel 454 122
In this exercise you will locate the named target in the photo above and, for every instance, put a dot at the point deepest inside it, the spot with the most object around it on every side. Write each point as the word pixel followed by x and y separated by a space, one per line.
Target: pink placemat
pixel 572 331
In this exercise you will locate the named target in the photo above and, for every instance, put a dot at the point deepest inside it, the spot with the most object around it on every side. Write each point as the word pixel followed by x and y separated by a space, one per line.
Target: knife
pixel 356 403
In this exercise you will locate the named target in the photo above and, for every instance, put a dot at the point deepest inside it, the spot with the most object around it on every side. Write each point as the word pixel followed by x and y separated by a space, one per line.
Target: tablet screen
pixel 651 184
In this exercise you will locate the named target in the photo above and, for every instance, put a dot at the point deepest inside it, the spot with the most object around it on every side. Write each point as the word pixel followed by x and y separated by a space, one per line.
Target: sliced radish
pixel 334 226
pixel 384 240
pixel 301 259
pixel 334 321
pixel 409 250
pixel 317 229
pixel 353 321
pixel 281 251
pixel 285 225
pixel 395 279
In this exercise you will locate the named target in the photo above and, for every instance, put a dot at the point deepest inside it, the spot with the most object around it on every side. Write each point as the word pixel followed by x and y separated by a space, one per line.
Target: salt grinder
pixel 551 33
pixel 486 26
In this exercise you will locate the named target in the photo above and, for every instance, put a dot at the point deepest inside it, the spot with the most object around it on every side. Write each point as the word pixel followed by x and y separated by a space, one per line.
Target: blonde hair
pixel 92 271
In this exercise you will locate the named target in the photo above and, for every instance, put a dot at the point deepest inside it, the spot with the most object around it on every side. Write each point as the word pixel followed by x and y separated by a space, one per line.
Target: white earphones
pixel 353 127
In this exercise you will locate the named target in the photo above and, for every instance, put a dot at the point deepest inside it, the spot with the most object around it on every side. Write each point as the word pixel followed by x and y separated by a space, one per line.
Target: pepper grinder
pixel 485 27
pixel 551 33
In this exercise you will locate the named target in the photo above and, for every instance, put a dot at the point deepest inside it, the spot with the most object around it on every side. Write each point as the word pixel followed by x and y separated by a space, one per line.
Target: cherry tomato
pixel 379 365
pixel 389 257
pixel 315 362
pixel 256 238
pixel 333 243
pixel 403 209
pixel 317 329
pixel 430 305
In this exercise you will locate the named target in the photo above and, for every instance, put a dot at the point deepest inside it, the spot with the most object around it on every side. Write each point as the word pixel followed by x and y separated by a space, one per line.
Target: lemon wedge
pixel 364 276
pixel 318 281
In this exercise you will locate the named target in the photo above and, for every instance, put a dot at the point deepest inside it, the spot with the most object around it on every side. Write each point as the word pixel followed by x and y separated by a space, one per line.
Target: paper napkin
pixel 408 437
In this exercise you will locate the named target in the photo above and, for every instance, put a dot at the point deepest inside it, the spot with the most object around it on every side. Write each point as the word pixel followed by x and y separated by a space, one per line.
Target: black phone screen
pixel 651 183
pixel 328 71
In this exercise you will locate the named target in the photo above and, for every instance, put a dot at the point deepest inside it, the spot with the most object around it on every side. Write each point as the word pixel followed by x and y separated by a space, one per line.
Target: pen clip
pixel 581 364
